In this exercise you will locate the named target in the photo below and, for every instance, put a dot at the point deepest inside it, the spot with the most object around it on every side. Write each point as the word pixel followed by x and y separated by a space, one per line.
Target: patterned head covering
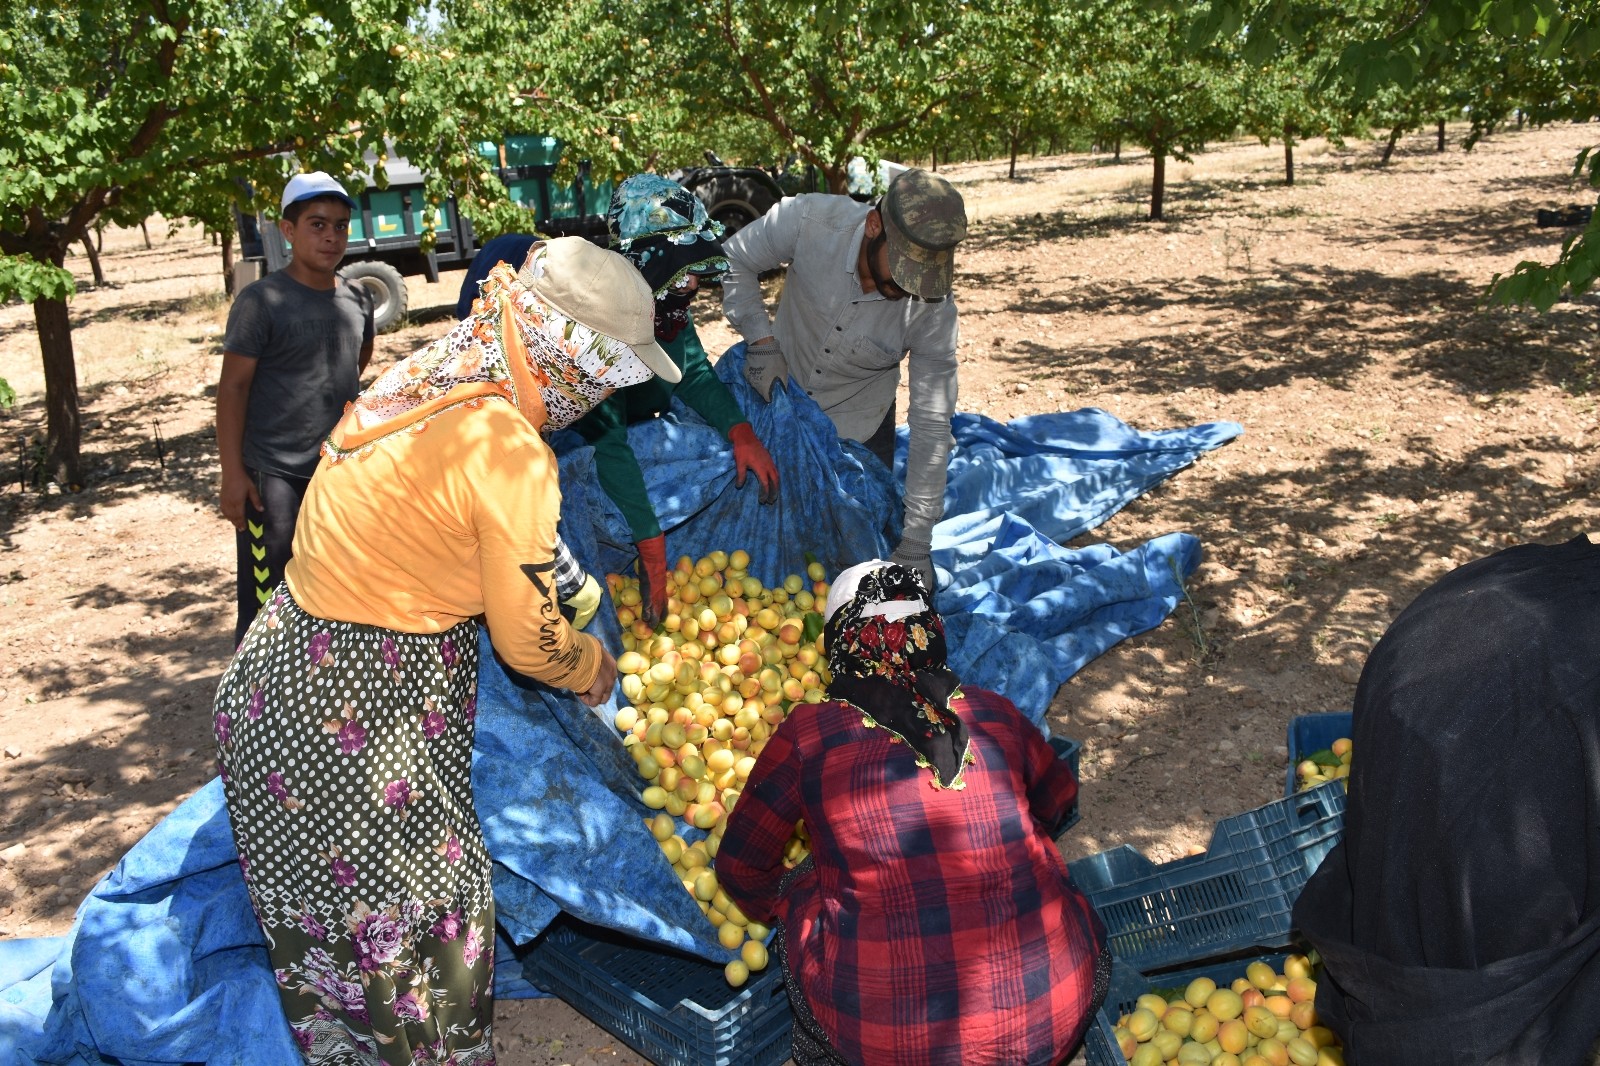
pixel 514 346
pixel 886 653
pixel 663 229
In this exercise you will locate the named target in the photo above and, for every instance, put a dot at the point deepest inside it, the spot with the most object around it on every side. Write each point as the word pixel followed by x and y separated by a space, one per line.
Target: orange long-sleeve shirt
pixel 441 525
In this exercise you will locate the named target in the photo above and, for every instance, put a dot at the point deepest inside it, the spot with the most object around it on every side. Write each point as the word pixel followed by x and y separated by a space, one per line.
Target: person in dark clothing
pixel 296 346
pixel 935 923
pixel 1459 918
pixel 507 248
pixel 662 228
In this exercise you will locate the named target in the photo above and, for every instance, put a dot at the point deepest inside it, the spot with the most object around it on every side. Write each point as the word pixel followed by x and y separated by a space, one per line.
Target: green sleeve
pixel 700 388
pixel 606 428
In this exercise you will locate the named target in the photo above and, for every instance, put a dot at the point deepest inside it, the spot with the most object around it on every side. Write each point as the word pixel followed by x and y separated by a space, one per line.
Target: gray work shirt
pixel 843 346
pixel 307 346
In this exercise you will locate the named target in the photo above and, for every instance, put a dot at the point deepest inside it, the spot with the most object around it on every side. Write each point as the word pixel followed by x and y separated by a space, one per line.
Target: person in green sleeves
pixel 662 228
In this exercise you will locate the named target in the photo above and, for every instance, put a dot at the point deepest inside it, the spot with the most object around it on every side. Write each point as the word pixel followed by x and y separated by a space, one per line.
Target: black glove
pixel 914 553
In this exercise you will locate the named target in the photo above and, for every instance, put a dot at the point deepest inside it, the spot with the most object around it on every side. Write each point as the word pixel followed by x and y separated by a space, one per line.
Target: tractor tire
pixel 735 201
pixel 387 288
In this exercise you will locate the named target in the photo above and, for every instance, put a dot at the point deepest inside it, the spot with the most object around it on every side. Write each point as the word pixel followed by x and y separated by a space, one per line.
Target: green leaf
pixel 27 279
pixel 811 628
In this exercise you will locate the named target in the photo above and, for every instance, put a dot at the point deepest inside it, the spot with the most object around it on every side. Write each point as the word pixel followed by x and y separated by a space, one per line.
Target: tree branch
pixel 768 107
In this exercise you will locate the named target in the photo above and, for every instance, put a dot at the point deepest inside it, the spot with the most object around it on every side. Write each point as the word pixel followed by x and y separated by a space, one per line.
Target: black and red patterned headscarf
pixel 886 653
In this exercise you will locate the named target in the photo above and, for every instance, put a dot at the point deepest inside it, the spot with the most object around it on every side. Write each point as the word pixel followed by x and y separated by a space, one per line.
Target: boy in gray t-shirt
pixel 297 343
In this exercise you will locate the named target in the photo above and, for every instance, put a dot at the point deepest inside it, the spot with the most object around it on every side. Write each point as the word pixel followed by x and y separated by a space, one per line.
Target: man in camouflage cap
pixel 868 288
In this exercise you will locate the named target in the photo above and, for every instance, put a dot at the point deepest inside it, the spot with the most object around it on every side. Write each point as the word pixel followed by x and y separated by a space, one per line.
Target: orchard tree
pixel 110 103
pixel 1035 61
pixel 182 107
pixel 1170 88
pixel 1396 42
pixel 826 81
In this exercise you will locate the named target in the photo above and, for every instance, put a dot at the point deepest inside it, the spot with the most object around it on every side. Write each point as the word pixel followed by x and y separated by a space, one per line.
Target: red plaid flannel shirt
pixel 938 926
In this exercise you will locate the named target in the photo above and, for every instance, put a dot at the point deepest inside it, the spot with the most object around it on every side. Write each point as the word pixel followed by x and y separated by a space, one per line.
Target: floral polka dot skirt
pixel 346 755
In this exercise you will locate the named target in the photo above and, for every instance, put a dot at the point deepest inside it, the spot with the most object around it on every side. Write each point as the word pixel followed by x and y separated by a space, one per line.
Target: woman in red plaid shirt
pixel 934 921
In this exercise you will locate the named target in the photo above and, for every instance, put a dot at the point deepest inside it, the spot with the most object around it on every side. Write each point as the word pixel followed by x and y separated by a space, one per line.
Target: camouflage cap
pixel 923 219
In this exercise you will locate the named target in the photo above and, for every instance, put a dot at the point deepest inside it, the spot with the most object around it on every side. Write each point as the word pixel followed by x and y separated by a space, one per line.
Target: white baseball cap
pixel 605 292
pixel 310 186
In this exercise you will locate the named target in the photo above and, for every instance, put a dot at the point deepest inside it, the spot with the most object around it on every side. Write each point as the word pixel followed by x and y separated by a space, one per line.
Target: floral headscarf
pixel 886 652
pixel 514 346
pixel 663 229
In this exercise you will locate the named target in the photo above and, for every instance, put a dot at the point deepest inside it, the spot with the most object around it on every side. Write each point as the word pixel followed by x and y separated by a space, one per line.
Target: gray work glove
pixel 914 553
pixel 764 367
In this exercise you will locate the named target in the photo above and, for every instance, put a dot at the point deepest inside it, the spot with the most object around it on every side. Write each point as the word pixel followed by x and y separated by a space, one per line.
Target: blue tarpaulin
pixel 165 963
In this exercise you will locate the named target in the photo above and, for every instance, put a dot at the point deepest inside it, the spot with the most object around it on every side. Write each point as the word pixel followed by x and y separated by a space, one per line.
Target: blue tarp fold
pixel 165 963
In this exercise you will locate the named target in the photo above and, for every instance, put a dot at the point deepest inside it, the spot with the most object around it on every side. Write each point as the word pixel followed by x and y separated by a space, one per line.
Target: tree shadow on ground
pixel 427 316
pixel 155 750
pixel 1503 230
pixel 1302 322
pixel 1320 600
pixel 124 457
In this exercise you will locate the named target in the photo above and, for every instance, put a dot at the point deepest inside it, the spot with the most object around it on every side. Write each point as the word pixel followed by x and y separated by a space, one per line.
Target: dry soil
pixel 1395 428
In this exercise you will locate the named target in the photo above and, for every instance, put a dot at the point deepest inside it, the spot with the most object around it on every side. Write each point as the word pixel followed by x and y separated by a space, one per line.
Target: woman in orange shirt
pixel 345 722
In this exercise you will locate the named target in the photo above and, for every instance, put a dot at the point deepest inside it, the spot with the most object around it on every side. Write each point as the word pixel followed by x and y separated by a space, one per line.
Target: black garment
pixel 881 443
pixel 266 542
pixel 897 669
pixel 507 248
pixel 1460 917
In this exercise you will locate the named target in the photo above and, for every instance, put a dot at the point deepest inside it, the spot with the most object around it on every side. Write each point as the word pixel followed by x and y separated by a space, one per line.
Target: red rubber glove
pixel 751 457
pixel 653 577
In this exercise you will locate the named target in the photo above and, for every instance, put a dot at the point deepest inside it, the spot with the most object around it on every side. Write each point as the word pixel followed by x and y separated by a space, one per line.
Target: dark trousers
pixel 266 542
pixel 881 443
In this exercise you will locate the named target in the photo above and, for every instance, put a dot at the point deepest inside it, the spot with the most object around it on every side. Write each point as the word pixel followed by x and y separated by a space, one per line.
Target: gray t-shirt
pixel 307 346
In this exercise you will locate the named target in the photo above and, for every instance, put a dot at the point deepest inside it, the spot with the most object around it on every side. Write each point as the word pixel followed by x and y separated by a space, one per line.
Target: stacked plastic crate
pixel 1215 913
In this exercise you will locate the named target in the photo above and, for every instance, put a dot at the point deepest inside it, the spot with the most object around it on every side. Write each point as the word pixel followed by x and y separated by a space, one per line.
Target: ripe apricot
pixel 1152 1003
pixel 1166 1042
pixel 1301 1053
pixel 1273 1051
pixel 1302 989
pixel 1233 1036
pixel 1142 1024
pixel 1225 1004
pixel 1261 1021
pixel 1146 1055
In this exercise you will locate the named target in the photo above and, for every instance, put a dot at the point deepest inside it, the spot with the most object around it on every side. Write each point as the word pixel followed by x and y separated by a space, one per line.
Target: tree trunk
pixel 1519 118
pixel 227 260
pixel 62 425
pixel 1053 143
pixel 94 262
pixel 1158 183
pixel 1388 149
pixel 838 179
pixel 1288 156
pixel 1441 135
pixel 144 228
pixel 1011 172
pixel 1116 151
pixel 935 157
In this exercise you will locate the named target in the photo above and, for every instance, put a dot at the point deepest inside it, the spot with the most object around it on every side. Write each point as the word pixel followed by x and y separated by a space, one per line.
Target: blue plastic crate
pixel 672 1009
pixel 1236 896
pixel 1313 732
pixel 1070 750
pixel 1128 984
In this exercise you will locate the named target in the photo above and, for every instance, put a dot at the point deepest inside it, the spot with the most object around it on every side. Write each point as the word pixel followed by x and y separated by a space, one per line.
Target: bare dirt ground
pixel 1393 430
